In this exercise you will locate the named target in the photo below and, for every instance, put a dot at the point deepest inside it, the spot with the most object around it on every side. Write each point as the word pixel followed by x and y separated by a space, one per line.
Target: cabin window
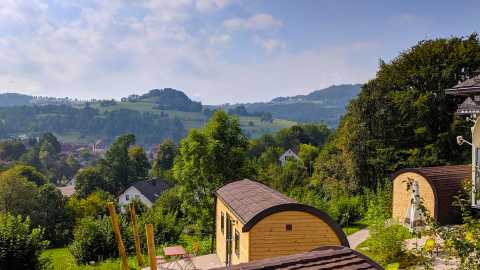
pixel 222 223
pixel 237 243
pixel 127 197
pixel 288 227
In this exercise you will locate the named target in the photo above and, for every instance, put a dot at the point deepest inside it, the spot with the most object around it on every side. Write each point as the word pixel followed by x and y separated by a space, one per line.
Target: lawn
pixel 62 259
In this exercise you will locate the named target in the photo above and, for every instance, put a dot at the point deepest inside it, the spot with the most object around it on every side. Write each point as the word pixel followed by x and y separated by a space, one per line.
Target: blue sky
pixel 216 51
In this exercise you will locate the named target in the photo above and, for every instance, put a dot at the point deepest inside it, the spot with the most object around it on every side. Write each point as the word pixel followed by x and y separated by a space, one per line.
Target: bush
pixel 94 239
pixel 346 209
pixel 20 244
pixel 386 242
pixel 379 202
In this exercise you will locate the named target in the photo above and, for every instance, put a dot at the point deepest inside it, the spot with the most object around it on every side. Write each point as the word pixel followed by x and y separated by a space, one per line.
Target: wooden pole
pixel 136 237
pixel 118 236
pixel 151 246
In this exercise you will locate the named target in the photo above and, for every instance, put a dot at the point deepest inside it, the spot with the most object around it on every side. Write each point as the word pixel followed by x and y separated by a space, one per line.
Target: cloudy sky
pixel 216 51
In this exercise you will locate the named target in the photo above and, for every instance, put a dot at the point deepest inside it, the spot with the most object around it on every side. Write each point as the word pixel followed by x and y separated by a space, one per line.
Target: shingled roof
pixel 152 189
pixel 466 87
pixel 252 201
pixel 247 198
pixel 325 258
pixel 446 182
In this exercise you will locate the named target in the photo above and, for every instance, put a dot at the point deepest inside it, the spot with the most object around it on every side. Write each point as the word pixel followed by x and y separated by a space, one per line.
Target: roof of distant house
pixel 325 258
pixel 251 201
pixel 467 87
pixel 67 191
pixel 152 189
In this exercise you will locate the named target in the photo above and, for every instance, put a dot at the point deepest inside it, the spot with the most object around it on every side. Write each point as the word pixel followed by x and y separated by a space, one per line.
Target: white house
pixel 147 191
pixel 288 155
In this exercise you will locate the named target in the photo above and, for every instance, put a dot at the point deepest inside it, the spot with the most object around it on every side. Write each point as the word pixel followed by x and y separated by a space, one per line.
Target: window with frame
pixel 237 243
pixel 222 222
pixel 127 197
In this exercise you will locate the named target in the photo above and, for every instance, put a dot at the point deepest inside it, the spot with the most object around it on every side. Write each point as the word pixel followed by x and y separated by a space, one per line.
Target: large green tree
pixel 403 118
pixel 166 153
pixel 208 158
pixel 116 167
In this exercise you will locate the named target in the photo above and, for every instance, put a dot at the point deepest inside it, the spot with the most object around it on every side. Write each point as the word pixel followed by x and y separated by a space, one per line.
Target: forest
pixel 401 118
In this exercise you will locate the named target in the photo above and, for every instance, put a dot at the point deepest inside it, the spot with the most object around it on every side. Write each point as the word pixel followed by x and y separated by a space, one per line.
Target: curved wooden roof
pixel 446 182
pixel 252 201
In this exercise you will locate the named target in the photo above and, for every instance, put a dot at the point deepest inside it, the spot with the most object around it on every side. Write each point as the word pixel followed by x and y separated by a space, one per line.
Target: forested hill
pixel 325 105
pixel 14 99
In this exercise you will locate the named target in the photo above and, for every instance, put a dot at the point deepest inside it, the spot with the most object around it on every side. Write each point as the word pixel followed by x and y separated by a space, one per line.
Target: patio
pixel 200 262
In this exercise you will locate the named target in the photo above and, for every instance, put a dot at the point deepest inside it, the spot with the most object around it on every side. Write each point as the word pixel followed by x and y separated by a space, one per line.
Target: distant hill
pixel 168 99
pixel 325 105
pixel 14 99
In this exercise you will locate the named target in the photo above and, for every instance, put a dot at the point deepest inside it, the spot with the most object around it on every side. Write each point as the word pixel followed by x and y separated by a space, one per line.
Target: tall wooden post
pixel 118 236
pixel 136 237
pixel 151 246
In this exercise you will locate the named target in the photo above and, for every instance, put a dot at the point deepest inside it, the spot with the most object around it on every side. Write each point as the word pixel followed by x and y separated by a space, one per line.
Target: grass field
pixel 252 126
pixel 62 259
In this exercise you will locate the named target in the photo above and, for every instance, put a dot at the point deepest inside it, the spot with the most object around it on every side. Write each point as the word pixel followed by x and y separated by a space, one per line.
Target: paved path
pixel 356 238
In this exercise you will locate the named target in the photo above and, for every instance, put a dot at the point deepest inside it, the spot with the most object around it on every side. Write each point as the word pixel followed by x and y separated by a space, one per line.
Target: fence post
pixel 118 235
pixel 151 246
pixel 136 237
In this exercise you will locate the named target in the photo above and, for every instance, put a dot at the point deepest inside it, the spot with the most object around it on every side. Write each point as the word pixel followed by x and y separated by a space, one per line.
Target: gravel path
pixel 356 238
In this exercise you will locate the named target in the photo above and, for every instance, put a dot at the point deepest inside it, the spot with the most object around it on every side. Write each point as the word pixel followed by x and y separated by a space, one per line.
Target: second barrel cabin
pixel 434 187
pixel 256 222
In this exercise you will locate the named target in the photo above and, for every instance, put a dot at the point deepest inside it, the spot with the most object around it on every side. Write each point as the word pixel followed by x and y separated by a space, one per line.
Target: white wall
pixel 133 193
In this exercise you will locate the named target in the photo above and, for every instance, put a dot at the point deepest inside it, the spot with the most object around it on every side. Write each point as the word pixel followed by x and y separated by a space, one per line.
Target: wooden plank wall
pixel 220 237
pixel 402 197
pixel 269 237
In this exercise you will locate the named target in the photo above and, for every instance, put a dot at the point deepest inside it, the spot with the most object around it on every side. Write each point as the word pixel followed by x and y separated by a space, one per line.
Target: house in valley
pixel 147 191
pixel 288 155
pixel 255 222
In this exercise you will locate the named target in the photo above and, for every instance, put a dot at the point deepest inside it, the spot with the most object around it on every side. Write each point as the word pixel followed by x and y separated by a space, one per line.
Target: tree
pixel 29 173
pixel 20 244
pixel 11 150
pixel 308 153
pixel 17 193
pixel 52 214
pixel 166 154
pixel 403 118
pixel 89 180
pixel 115 167
pixel 139 164
pixel 91 206
pixel 208 158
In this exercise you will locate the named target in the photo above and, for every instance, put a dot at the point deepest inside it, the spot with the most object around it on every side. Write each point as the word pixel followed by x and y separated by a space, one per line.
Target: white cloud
pixel 270 44
pixel 103 54
pixel 261 21
pixel 221 39
pixel 211 5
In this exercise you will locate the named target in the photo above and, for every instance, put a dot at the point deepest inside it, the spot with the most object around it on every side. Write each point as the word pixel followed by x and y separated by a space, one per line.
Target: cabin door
pixel 228 239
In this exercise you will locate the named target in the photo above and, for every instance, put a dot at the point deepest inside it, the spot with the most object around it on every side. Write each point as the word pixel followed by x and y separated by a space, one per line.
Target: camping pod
pixel 434 187
pixel 255 222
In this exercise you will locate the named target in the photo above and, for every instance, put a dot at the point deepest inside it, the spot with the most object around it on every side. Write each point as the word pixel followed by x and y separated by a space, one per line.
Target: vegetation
pixel 20 243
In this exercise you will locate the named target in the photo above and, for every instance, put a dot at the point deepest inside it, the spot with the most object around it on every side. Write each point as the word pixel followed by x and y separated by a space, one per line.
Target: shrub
pixel 379 202
pixel 20 244
pixel 346 209
pixel 386 242
pixel 94 239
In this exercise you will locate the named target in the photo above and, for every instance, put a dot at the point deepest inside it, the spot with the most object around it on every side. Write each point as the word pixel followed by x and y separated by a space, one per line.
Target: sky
pixel 216 51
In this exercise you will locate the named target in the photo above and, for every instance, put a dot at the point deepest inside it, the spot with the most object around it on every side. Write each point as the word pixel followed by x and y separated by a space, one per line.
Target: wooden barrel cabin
pixel 435 186
pixel 255 222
